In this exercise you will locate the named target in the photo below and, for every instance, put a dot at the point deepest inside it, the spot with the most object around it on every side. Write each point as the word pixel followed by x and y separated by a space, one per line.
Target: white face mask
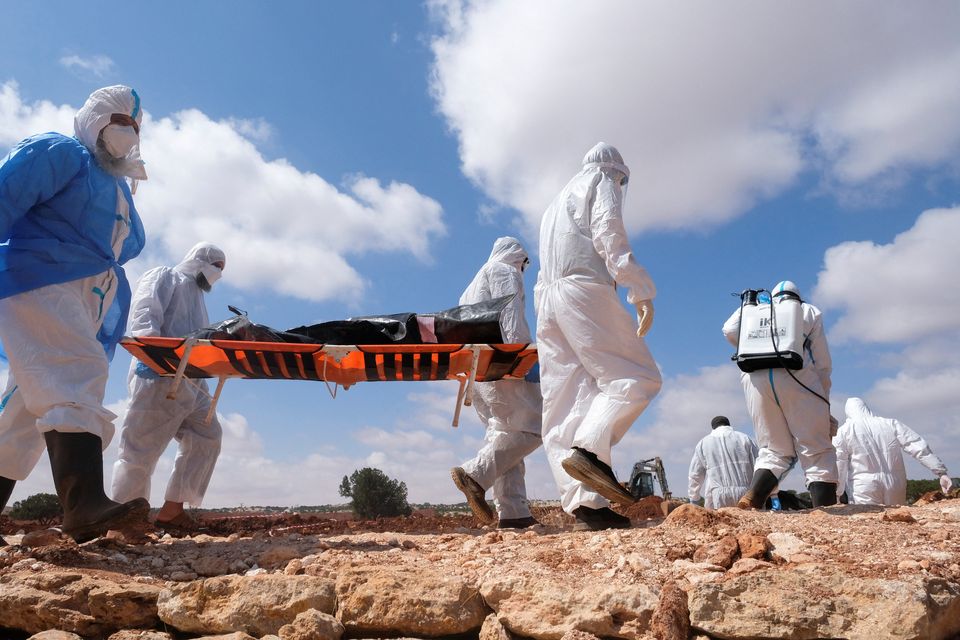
pixel 119 140
pixel 211 273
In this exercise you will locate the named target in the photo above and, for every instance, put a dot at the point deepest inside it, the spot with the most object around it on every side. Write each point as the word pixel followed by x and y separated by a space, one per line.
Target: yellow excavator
pixel 642 476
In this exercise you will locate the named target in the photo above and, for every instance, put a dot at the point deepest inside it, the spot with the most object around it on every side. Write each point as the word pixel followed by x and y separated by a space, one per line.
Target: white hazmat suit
pixel 791 423
pixel 722 467
pixel 511 409
pixel 870 456
pixel 597 376
pixel 168 302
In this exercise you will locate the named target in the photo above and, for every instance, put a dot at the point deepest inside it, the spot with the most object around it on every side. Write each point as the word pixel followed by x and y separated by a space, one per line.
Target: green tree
pixel 42 507
pixel 373 494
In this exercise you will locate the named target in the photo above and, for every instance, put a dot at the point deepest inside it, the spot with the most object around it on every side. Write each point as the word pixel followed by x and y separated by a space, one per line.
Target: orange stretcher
pixel 343 365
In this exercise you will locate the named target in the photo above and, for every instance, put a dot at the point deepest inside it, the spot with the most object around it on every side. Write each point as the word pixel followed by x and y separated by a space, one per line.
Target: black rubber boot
pixel 6 488
pixel 764 481
pixel 77 463
pixel 823 494
pixel 599 519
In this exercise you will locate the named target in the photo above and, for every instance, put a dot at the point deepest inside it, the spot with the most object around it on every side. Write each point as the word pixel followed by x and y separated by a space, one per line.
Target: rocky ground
pixel 839 572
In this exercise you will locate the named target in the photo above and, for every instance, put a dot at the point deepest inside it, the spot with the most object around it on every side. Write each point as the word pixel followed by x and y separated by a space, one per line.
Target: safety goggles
pixel 125 121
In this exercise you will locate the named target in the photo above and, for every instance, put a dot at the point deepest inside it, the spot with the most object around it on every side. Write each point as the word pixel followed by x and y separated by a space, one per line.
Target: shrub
pixel 42 507
pixel 373 494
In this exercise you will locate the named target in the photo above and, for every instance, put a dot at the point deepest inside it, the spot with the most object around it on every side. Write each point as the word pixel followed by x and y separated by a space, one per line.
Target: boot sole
pixel 582 470
pixel 135 516
pixel 479 506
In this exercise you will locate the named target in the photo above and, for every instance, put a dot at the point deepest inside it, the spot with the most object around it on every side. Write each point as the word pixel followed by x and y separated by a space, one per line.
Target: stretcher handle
pixel 456 411
pixel 465 394
pixel 212 411
pixel 181 368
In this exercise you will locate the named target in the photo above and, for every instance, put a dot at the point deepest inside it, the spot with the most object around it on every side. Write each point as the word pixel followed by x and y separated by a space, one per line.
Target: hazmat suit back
pixel 596 375
pixel 510 409
pixel 168 302
pixel 791 423
pixel 722 467
pixel 870 455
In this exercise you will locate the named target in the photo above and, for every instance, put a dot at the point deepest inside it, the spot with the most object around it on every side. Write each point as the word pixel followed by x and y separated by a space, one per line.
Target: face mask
pixel 119 140
pixel 210 273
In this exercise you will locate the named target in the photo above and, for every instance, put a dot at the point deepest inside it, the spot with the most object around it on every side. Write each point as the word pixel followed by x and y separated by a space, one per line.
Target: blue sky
pixel 357 158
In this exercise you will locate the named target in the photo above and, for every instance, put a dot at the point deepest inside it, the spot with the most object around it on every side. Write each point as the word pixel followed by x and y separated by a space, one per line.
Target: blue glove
pixel 143 371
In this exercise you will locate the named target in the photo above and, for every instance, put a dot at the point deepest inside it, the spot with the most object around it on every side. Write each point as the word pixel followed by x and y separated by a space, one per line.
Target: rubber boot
pixel 823 494
pixel 764 481
pixel 77 463
pixel 6 488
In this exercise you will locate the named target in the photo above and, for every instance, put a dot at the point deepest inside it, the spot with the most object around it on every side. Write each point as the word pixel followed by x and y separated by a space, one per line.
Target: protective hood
pixel 202 254
pixel 604 156
pixel 95 114
pixel 509 251
pixel 857 409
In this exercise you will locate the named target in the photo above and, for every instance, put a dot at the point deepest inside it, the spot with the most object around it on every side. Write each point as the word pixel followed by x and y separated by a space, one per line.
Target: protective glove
pixel 644 317
pixel 945 483
pixel 143 371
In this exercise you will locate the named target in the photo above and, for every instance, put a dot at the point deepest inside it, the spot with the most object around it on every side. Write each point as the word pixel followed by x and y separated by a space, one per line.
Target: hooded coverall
pixel 870 456
pixel 511 409
pixel 596 375
pixel 168 302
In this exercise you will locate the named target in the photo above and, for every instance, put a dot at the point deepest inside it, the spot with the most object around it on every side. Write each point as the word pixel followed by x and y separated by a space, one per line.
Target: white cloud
pixel 19 119
pixel 714 105
pixel 97 65
pixel 896 292
pixel 209 181
pixel 900 295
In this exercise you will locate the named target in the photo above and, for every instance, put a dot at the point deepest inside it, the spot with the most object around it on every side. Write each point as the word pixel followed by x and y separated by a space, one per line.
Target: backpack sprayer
pixel 771 338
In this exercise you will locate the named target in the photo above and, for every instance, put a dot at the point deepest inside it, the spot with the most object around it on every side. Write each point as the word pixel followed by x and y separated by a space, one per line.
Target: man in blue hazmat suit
pixel 510 409
pixel 68 223
pixel 722 466
pixel 791 411
pixel 169 302
pixel 870 456
pixel 596 373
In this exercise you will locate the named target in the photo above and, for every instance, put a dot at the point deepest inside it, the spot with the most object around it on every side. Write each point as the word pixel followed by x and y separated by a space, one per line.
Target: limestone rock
pixel 901 514
pixel 41 538
pixel 74 602
pixel 312 625
pixel 722 552
pixel 276 556
pixel 753 545
pixel 786 545
pixel 257 605
pixel 573 634
pixel 671 618
pixel 493 630
pixel 693 517
pixel 746 565
pixel 236 635
pixel 54 634
pixel 548 609
pixel 422 602
pixel 131 634
pixel 819 602
pixel 210 566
